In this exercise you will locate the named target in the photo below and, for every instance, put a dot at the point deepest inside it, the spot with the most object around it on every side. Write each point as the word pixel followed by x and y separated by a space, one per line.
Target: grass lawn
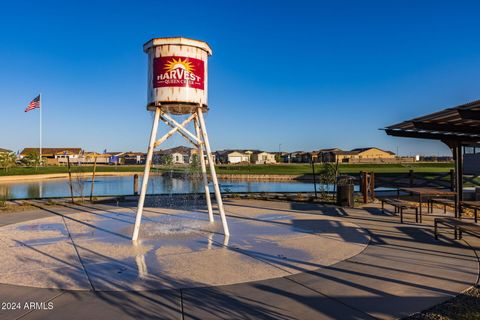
pixel 343 168
pixel 293 169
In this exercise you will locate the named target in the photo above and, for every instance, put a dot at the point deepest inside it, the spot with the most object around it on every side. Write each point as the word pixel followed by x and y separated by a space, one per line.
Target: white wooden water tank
pixel 177 74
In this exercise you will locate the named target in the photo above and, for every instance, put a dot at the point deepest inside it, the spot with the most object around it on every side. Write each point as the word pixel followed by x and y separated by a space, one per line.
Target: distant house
pixel 245 156
pixel 281 157
pixel 116 158
pixel 302 156
pixel 134 158
pixel 93 157
pixel 63 157
pixel 262 157
pixel 54 155
pixel 366 155
pixel 178 155
pixel 328 155
pixel 444 159
pixel 334 155
pixel 233 156
pixel 296 156
pixel 373 153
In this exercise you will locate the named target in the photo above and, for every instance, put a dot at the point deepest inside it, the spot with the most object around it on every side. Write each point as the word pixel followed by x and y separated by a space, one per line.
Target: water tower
pixel 177 85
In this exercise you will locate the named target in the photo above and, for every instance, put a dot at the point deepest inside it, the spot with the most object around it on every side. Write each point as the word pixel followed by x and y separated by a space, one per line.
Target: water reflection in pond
pixel 123 185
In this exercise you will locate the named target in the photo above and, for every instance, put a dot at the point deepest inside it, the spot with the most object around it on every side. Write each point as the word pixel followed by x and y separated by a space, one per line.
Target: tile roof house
pixel 373 151
pixel 54 155
pixel 179 155
pixel 50 152
pixel 234 156
pixel 303 156
pixel 94 157
pixel 370 154
pixel 263 157
pixel 135 157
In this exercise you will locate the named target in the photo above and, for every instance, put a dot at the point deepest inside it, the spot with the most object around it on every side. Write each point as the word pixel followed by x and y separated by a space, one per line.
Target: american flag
pixel 34 104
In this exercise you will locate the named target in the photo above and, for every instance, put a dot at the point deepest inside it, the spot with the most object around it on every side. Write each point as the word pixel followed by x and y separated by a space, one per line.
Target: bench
pixel 399 206
pixel 474 205
pixel 445 202
pixel 458 226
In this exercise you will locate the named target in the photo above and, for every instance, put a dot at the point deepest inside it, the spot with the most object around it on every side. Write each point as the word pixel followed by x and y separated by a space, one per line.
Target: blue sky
pixel 294 75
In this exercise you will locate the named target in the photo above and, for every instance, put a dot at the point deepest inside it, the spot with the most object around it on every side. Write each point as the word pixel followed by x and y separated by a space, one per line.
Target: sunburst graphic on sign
pixel 179 63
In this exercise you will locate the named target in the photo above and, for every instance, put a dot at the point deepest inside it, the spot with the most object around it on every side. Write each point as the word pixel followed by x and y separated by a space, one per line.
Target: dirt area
pixel 8 207
pixel 22 205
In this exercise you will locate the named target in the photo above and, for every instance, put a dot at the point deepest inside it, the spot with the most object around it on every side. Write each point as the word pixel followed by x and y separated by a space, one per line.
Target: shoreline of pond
pixel 237 177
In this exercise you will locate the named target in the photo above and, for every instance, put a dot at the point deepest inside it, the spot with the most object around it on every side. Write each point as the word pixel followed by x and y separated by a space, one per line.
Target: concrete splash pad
pixel 91 249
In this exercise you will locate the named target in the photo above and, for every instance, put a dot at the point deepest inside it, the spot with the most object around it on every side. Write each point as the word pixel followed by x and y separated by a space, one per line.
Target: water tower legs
pixel 218 195
pixel 146 173
pixel 201 156
pixel 200 140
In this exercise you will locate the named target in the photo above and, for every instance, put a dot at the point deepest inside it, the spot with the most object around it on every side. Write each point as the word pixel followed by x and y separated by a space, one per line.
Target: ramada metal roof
pixel 458 124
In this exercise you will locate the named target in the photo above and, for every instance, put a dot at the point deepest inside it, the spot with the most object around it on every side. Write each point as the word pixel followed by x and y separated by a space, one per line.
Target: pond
pixel 123 185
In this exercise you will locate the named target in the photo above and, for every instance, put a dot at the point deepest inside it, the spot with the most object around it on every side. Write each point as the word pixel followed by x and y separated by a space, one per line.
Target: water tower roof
pixel 179 41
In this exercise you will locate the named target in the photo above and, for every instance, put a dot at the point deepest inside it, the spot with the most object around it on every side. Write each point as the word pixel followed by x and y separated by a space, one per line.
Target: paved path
pixel 403 270
pixel 92 249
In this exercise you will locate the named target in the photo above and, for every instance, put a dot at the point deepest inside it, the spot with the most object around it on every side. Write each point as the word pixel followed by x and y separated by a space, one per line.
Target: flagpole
pixel 41 107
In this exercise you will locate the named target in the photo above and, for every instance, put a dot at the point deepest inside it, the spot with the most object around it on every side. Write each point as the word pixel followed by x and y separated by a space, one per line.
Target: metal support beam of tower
pixel 201 155
pixel 146 173
pixel 216 187
pixel 171 122
pixel 175 129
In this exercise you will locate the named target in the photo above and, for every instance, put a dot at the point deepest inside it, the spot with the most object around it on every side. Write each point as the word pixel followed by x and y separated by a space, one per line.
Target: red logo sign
pixel 178 72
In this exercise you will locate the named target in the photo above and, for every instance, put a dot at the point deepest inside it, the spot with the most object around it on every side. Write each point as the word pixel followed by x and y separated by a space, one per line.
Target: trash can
pixel 345 191
pixel 477 193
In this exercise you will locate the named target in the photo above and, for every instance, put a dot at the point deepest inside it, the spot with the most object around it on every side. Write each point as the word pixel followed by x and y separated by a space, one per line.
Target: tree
pixel 167 159
pixel 7 160
pixel 194 163
pixel 328 177
pixel 78 183
pixel 278 158
pixel 32 159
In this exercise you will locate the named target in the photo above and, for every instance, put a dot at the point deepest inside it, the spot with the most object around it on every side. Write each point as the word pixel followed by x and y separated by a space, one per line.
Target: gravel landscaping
pixel 464 306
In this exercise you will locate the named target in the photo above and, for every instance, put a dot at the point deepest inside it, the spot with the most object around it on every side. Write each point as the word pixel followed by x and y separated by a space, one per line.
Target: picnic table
pixel 423 193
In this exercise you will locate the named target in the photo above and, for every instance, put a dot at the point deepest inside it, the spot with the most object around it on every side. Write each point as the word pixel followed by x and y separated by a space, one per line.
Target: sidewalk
pixel 403 270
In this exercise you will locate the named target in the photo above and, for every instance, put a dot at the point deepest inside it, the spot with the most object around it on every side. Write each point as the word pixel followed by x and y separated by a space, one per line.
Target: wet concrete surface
pixel 90 248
